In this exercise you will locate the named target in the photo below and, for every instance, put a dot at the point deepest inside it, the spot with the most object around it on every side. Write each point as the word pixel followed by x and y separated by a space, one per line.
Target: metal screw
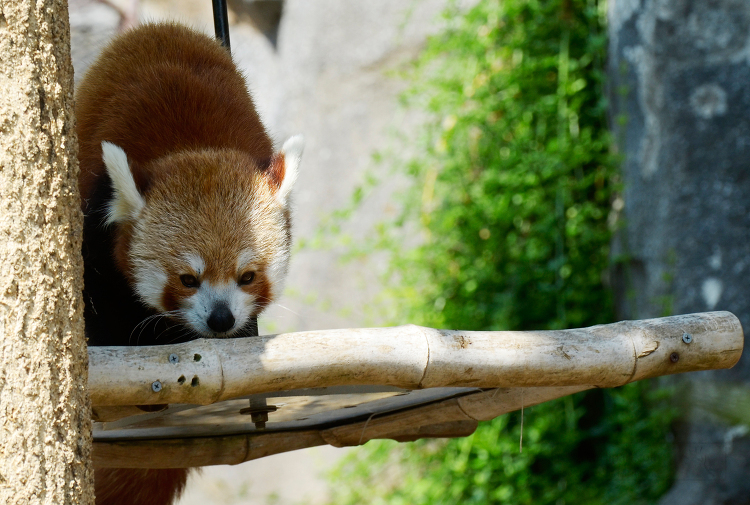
pixel 674 357
pixel 260 419
pixel 174 359
pixel 156 386
pixel 687 338
pixel 258 411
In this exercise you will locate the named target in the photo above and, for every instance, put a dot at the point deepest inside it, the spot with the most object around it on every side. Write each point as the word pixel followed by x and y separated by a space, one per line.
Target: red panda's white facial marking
pixel 150 279
pixel 196 263
pixel 218 310
pixel 209 246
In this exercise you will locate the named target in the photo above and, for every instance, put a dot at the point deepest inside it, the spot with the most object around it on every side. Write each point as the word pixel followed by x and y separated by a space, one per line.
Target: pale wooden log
pixel 380 356
pixel 212 370
pixel 606 356
pixel 412 357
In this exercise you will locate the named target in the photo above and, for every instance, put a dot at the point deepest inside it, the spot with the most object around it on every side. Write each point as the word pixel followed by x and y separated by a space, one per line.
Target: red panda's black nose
pixel 221 318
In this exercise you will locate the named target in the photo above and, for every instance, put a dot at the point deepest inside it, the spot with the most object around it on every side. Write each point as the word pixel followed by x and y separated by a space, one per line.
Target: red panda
pixel 187 207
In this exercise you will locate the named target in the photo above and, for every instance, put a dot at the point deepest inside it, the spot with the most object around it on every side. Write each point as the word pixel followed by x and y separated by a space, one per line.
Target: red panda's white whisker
pixel 286 308
pixel 142 325
pixel 152 318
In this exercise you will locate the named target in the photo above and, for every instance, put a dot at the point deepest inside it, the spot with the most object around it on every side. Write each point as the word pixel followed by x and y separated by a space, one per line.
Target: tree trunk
pixel 45 428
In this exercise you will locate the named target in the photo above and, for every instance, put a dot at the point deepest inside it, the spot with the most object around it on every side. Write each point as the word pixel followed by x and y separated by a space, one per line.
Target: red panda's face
pixel 213 294
pixel 209 244
pixel 214 306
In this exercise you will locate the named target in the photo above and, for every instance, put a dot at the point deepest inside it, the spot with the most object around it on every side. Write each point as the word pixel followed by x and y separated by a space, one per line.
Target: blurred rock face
pixel 680 95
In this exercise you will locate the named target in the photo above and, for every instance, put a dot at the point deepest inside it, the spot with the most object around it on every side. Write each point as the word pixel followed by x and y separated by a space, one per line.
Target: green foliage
pixel 515 178
pixel 511 201
pixel 604 447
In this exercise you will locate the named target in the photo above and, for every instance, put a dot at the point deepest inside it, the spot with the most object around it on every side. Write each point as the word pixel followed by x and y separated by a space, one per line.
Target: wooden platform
pixel 212 402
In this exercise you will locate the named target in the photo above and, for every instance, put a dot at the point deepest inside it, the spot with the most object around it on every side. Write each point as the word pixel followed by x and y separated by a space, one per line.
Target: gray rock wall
pixel 680 93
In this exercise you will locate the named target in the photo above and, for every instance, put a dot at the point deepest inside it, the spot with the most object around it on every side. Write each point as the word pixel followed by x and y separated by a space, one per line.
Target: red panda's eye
pixel 189 281
pixel 247 278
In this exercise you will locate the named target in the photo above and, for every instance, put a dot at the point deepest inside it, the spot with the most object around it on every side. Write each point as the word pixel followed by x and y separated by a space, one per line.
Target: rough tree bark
pixel 45 428
pixel 679 74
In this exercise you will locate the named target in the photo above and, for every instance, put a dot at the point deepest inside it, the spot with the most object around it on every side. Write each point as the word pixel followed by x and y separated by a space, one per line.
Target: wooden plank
pixel 401 424
pixel 458 414
pixel 455 417
pixel 496 402
pixel 192 452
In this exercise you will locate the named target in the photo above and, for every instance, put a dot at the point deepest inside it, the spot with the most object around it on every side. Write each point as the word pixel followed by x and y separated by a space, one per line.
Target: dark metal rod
pixel 221 27
pixel 221 22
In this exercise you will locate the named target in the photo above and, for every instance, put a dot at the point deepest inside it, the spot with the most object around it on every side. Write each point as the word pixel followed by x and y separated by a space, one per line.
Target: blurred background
pixel 487 164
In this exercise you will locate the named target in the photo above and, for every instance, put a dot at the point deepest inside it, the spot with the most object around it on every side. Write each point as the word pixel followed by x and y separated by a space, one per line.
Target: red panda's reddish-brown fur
pixel 207 94
pixel 130 486
pixel 174 102
pixel 117 101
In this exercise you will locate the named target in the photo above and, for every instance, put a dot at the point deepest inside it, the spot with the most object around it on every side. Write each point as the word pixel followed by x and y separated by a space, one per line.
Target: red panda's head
pixel 204 236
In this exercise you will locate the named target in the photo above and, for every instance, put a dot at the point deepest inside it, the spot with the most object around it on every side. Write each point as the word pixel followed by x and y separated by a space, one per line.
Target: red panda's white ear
pixel 285 165
pixel 127 202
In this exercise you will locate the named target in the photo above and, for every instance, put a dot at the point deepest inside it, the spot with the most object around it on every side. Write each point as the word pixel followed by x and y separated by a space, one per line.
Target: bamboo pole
pixel 412 357
pixel 45 445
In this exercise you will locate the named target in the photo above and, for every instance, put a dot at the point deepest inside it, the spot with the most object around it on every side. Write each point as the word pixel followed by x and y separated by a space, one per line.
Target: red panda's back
pixel 162 88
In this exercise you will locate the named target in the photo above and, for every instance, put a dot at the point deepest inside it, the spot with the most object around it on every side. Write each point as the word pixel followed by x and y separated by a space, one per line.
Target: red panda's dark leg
pixel 136 486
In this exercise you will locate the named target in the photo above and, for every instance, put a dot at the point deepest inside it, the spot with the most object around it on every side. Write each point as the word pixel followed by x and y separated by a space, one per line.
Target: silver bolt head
pixel 687 338
pixel 174 359
pixel 156 386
